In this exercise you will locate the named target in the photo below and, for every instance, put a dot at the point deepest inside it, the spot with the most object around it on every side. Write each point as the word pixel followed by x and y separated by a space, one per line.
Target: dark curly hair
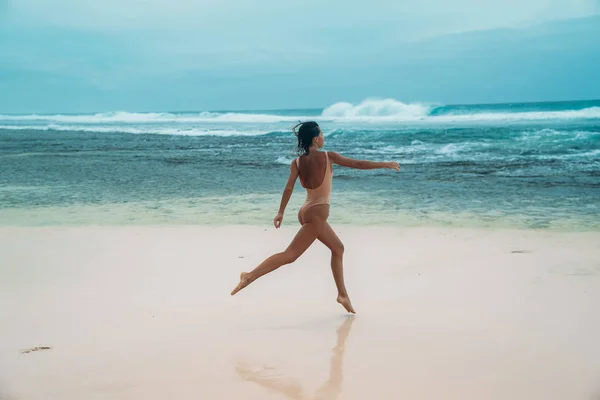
pixel 305 132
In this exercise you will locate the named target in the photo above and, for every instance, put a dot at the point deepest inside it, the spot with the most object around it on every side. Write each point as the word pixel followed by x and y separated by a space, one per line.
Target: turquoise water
pixel 533 165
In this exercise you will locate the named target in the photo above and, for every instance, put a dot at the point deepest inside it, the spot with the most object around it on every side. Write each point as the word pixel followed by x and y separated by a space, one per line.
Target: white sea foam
pixel 390 110
pixel 153 118
pixel 386 112
pixel 453 149
pixel 586 113
pixel 372 108
pixel 556 136
pixel 138 130
pixel 283 160
pixel 340 112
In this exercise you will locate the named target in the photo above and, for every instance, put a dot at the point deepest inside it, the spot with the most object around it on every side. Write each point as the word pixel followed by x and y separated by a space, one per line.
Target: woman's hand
pixel 277 220
pixel 393 165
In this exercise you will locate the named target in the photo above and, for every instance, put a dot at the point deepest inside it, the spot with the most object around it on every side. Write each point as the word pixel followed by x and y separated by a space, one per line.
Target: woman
pixel 314 168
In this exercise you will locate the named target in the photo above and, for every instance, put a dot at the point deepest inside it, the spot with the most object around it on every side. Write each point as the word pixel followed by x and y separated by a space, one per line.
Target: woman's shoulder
pixel 332 155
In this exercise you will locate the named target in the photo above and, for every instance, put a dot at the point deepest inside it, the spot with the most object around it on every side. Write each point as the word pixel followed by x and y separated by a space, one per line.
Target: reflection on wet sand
pixel 270 379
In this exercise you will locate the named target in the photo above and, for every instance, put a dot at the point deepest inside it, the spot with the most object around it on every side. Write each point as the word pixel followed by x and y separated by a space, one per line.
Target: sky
pixel 186 55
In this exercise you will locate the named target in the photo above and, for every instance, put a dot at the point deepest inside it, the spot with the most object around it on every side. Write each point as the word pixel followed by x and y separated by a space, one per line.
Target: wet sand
pixel 145 312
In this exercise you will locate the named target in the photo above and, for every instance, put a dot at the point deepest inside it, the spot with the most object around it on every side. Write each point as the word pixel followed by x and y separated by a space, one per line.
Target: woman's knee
pixel 289 256
pixel 338 250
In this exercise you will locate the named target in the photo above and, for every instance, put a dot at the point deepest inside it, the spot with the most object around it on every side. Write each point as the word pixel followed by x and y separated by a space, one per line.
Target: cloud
pixel 265 18
pixel 152 52
pixel 204 33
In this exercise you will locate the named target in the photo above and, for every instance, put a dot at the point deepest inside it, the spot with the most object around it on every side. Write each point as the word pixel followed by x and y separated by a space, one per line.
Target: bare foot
pixel 345 301
pixel 244 281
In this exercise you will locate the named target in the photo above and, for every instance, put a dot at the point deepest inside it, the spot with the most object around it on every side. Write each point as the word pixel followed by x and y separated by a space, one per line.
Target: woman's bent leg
pixel 308 233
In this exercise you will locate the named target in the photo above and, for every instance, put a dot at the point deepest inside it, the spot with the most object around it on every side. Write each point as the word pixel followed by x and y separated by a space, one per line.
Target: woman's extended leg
pixel 304 238
pixel 333 242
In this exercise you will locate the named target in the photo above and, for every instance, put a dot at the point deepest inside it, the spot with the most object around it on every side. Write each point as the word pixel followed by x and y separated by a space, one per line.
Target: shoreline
pixel 294 229
pixel 124 216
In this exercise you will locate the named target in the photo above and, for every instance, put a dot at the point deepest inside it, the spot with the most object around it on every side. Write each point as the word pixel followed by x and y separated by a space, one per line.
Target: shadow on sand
pixel 273 381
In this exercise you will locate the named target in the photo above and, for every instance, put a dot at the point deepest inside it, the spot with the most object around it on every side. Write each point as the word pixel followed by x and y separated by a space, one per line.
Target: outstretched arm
pixel 361 164
pixel 287 193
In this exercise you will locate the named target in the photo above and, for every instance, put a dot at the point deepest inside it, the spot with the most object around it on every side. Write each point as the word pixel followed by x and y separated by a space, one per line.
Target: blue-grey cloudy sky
pixel 84 55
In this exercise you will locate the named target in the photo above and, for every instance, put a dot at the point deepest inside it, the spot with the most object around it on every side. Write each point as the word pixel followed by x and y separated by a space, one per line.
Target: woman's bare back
pixel 312 170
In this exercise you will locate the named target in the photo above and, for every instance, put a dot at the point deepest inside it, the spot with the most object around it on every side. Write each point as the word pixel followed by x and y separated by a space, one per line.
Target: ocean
pixel 532 166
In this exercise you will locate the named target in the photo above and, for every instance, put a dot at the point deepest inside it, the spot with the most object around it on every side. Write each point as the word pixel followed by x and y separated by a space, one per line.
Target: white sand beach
pixel 145 313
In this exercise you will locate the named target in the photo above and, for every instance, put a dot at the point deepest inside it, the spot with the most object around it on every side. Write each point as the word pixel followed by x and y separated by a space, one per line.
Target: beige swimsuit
pixel 320 194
